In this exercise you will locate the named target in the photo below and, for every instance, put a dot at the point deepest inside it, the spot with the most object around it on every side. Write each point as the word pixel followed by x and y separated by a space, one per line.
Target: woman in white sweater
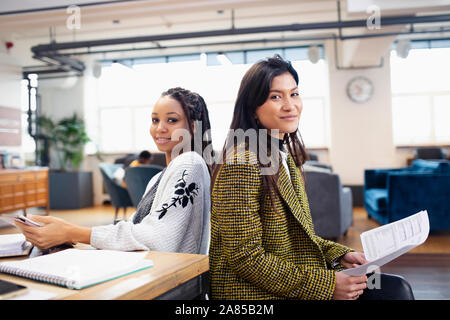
pixel 174 210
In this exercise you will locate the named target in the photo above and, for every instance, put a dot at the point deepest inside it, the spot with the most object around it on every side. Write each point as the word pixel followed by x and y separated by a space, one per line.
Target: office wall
pixel 10 87
pixel 62 97
pixel 360 133
pixel 10 81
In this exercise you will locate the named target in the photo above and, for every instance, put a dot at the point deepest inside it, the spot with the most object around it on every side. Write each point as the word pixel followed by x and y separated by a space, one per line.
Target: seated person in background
pixel 144 158
pixel 170 215
pixel 119 176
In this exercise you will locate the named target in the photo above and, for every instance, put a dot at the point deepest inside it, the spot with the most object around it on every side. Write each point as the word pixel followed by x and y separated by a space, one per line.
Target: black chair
pixel 313 156
pixel 391 287
pixel 137 179
pixel 429 153
pixel 315 163
pixel 118 194
pixel 158 158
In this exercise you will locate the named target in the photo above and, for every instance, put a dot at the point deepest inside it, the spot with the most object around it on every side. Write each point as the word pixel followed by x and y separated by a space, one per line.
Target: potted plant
pixel 69 187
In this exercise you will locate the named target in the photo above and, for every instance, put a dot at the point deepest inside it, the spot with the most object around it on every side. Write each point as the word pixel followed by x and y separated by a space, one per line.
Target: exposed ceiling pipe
pixel 64 62
pixel 51 50
pixel 330 36
pixel 90 4
pixel 263 40
pixel 387 21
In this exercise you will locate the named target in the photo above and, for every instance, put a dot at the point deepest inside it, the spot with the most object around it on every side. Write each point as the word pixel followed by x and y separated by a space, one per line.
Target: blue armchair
pixel 118 194
pixel 137 179
pixel 394 194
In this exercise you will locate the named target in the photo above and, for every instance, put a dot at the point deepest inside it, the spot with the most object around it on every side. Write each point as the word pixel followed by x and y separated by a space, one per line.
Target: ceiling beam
pixel 387 21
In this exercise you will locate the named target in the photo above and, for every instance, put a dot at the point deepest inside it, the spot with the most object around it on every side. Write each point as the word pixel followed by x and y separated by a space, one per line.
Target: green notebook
pixel 78 269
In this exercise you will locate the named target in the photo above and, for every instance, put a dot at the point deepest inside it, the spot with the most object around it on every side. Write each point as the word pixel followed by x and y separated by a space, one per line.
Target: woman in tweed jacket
pixel 263 244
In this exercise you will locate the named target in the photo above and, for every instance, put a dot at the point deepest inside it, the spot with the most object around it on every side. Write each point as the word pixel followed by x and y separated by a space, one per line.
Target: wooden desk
pixel 22 189
pixel 170 270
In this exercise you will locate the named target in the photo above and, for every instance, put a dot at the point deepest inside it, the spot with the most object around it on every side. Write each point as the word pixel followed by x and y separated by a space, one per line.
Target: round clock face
pixel 360 89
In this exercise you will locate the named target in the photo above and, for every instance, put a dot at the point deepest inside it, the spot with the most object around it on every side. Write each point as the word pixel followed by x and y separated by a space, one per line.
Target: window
pixel 117 131
pixel 441 105
pixel 127 92
pixel 421 96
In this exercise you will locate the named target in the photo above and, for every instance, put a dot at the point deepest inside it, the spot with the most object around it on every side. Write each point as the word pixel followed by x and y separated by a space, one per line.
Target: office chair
pixel 118 194
pixel 137 179
pixel 312 156
pixel 392 287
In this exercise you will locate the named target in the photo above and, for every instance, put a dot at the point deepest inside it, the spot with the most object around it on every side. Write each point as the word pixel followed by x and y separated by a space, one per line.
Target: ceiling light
pixel 97 69
pixel 203 58
pixel 313 54
pixel 403 47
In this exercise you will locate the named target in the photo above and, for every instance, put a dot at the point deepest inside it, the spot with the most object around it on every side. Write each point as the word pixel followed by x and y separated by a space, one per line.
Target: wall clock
pixel 360 89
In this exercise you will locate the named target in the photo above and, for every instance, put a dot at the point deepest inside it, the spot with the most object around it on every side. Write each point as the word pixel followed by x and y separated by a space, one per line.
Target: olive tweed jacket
pixel 257 252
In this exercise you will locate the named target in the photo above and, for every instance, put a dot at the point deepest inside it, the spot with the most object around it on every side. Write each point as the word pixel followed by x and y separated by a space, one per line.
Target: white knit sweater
pixel 180 229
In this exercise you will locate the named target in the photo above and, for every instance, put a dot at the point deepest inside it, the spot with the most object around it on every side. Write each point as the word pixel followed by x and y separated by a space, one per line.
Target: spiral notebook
pixel 78 269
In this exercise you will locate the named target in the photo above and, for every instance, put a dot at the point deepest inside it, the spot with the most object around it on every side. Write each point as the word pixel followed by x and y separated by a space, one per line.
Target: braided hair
pixel 194 107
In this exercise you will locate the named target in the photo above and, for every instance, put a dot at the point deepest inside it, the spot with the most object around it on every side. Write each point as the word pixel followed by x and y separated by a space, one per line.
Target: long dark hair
pixel 195 110
pixel 254 92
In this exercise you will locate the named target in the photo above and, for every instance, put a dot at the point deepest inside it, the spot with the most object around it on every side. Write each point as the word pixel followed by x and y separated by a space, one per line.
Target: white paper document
pixel 14 245
pixel 8 219
pixel 383 244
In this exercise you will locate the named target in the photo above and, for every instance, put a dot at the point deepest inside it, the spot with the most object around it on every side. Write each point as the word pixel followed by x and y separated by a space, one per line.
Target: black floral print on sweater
pixel 183 194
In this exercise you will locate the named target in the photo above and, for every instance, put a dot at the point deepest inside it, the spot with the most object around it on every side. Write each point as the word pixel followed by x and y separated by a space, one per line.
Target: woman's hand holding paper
pixel 353 259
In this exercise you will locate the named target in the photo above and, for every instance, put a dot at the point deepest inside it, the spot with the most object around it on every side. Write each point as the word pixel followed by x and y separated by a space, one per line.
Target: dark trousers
pixel 387 287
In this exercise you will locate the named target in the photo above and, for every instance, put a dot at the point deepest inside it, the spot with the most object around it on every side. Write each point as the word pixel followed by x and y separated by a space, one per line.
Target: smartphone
pixel 29 222
pixel 10 289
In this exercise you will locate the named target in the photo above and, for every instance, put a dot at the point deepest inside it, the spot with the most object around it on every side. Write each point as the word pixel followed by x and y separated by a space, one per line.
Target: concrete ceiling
pixel 154 17
pixel 117 19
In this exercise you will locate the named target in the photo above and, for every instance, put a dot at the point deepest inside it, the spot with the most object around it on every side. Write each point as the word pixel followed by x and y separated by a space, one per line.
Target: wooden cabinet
pixel 22 189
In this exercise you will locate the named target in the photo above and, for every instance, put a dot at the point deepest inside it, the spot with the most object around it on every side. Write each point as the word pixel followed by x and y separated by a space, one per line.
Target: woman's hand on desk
pixel 55 231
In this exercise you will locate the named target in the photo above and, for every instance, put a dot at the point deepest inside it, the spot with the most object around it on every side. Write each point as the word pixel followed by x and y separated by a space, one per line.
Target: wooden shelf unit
pixel 23 188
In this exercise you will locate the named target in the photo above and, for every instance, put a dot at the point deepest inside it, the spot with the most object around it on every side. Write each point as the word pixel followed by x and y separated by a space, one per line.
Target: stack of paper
pixel 14 245
pixel 383 244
